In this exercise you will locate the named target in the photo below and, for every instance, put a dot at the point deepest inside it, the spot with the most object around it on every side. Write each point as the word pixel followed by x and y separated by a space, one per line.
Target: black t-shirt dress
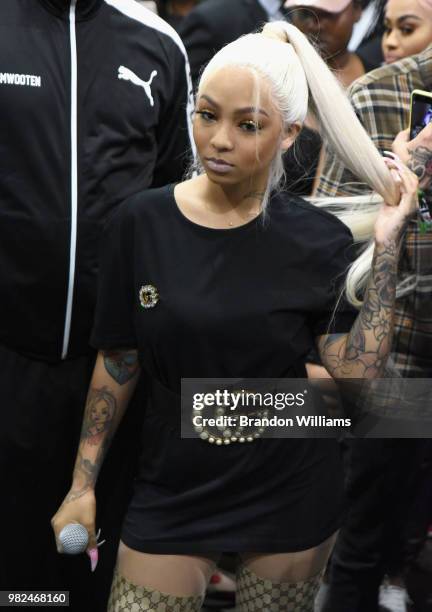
pixel 239 302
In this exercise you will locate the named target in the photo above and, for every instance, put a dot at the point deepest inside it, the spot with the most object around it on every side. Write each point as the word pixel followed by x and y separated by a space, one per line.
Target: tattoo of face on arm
pixel 101 409
pixel 121 365
pixel 96 435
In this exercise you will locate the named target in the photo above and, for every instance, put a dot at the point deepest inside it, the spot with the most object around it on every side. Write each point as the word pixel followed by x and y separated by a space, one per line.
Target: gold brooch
pixel 148 296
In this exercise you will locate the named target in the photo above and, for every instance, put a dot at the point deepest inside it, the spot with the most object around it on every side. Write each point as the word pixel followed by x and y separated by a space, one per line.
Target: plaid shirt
pixel 381 101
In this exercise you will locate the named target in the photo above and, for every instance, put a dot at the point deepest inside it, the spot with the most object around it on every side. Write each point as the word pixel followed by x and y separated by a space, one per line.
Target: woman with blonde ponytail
pixel 224 275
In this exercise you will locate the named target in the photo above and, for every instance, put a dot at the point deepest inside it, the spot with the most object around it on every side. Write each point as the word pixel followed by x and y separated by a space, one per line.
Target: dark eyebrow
pixel 239 111
pixel 408 17
pixel 251 109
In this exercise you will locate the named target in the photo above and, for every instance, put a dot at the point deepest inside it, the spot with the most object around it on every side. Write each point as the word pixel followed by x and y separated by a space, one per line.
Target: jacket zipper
pixel 74 178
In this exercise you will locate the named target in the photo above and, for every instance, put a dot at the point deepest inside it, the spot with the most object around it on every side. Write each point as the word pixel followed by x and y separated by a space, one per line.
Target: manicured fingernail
pixel 93 554
pixel 395 176
pixel 393 155
pixel 395 162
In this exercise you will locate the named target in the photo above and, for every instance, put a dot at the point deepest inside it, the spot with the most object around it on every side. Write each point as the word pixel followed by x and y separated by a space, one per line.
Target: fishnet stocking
pixel 259 594
pixel 128 597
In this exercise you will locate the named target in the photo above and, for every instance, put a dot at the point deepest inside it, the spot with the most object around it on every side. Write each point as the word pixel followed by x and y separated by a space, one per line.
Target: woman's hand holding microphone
pixel 74 525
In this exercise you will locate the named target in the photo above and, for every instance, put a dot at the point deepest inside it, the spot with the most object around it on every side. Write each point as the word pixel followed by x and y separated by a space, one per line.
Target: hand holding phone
pixel 420 111
pixel 414 147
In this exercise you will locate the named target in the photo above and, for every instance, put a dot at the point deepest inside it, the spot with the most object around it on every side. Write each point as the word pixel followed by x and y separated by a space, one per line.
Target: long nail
pixel 395 162
pixel 396 176
pixel 393 155
pixel 94 556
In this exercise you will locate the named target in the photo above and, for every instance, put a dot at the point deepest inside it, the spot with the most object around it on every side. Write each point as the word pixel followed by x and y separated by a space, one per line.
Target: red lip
pixel 222 162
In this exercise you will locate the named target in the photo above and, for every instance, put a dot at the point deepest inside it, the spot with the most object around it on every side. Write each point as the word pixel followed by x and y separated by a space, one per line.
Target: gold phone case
pixel 417 92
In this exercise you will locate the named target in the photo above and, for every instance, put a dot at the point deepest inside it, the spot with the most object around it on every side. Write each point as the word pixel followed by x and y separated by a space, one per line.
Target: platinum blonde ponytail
pixel 347 137
pixel 338 121
pixel 301 81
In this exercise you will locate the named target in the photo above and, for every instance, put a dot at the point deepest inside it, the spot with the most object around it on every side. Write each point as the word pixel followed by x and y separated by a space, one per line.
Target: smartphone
pixel 420 111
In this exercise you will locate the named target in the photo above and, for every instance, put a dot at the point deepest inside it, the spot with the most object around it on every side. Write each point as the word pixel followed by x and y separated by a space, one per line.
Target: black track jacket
pixel 95 105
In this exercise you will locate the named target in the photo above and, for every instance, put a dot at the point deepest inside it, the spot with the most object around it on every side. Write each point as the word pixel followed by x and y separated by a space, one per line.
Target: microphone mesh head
pixel 73 538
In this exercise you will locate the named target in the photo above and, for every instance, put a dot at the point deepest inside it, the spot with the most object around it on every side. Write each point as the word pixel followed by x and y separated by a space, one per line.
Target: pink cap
pixel 331 6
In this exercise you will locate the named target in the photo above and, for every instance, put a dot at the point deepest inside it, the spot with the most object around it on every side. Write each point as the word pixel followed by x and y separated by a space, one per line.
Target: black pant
pixel 41 410
pixel 384 480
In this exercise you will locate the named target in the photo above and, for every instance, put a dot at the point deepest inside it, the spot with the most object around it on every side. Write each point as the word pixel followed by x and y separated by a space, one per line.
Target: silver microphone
pixel 73 539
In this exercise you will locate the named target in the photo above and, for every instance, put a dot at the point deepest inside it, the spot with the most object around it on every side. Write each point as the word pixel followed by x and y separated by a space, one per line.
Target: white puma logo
pixel 127 75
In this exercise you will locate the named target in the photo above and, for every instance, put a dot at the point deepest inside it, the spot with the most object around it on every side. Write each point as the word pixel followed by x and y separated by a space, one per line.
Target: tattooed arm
pixel 112 385
pixel 113 382
pixel 363 352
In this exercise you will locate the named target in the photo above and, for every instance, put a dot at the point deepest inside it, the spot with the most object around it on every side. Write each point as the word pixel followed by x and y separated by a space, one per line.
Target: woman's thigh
pixel 181 575
pixel 290 567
